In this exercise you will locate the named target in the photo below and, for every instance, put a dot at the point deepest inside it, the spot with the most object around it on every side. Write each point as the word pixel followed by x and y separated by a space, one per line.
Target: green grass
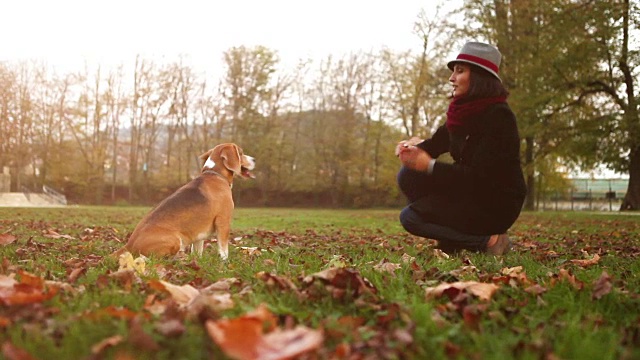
pixel 394 321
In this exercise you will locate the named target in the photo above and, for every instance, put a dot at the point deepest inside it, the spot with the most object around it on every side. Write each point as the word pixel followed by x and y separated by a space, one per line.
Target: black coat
pixel 482 192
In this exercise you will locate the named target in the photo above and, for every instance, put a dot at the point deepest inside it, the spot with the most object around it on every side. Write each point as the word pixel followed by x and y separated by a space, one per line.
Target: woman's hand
pixel 412 156
pixel 406 143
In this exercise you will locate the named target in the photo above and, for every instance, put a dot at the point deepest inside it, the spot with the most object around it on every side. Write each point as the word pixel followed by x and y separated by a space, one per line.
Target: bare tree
pixel 116 103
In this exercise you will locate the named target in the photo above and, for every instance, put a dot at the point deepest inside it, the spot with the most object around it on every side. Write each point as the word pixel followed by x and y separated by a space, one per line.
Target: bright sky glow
pixel 66 33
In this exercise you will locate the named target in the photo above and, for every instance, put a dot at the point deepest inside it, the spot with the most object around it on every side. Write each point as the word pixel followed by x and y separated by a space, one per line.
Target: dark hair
pixel 484 85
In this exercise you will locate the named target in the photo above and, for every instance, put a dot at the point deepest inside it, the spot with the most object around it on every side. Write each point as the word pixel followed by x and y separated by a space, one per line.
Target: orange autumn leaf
pixel 483 291
pixel 29 290
pixel 30 279
pixel 587 262
pixel 565 275
pixel 100 347
pixel 6 239
pixel 243 338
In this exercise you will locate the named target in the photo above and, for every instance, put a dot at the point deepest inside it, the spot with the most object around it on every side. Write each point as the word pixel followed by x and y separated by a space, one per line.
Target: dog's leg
pixel 223 240
pixel 197 247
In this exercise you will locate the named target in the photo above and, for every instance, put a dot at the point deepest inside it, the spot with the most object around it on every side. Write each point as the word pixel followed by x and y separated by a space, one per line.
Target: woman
pixel 471 203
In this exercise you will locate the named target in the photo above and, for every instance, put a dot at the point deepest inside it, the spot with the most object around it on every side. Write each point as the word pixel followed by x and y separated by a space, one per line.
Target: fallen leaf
pixel 183 294
pixel 440 254
pixel 98 348
pixel 6 239
pixel 407 259
pixel 30 289
pixel 171 328
pixel 483 291
pixel 76 273
pixel 464 271
pixel 387 267
pixel 602 286
pixel 251 250
pixel 216 302
pixel 139 338
pixel 49 233
pixel 566 275
pixel 471 315
pixel 12 352
pixel 127 262
pixel 536 289
pixel 343 279
pixel 281 282
pixel 587 262
pixel 243 337
pixel 7 281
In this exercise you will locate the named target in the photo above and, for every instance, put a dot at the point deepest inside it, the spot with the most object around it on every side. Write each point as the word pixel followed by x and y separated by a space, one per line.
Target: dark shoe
pixel 501 246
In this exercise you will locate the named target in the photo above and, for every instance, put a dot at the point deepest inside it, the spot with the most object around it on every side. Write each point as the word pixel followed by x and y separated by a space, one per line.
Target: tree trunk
pixel 632 198
pixel 530 174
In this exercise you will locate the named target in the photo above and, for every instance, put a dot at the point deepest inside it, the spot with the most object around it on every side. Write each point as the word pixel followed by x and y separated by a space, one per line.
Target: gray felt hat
pixel 479 54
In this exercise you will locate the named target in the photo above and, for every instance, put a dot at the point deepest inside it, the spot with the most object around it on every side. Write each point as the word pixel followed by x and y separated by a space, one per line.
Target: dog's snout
pixel 250 161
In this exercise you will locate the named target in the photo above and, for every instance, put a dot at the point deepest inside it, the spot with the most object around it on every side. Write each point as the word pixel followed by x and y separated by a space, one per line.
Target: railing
pixel 54 195
pixel 580 200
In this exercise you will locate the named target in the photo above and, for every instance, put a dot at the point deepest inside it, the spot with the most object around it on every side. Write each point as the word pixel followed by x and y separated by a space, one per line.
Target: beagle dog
pixel 196 210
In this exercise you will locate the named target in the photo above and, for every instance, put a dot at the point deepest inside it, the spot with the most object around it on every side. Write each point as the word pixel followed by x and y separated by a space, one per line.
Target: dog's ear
pixel 204 157
pixel 230 155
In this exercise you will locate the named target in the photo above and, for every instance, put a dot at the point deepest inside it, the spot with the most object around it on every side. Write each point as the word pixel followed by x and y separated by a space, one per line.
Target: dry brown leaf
pixel 287 344
pixel 6 239
pixel 76 273
pixel 216 302
pixel 464 271
pixel 440 254
pixel 483 291
pixel 139 338
pixel 602 286
pixel 566 275
pixel 536 289
pixel 251 251
pixel 407 259
pixel 587 262
pixel 28 290
pixel 98 348
pixel 281 282
pixel 343 279
pixel 243 338
pixel 54 235
pixel 12 352
pixel 181 294
pixel 471 314
pixel 222 285
pixel 7 281
pixel 387 267
pixel 171 328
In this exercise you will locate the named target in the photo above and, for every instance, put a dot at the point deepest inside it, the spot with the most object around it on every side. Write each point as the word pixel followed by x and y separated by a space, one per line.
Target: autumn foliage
pixel 345 294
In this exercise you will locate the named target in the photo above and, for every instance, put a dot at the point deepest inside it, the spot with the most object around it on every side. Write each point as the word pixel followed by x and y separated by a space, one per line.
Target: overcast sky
pixel 65 33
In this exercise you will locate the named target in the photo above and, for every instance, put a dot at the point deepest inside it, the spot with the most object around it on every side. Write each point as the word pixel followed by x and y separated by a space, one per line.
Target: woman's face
pixel 460 79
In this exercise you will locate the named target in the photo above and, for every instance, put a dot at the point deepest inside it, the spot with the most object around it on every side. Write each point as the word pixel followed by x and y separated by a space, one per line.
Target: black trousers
pixel 445 215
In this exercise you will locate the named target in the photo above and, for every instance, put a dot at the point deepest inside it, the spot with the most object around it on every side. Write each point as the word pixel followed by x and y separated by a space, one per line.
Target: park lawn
pixel 328 284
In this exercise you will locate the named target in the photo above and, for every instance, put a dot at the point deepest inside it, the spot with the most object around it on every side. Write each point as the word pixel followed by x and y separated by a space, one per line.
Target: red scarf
pixel 461 113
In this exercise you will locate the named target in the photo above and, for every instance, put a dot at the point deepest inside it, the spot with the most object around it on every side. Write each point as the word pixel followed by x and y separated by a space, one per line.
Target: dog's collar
pixel 210 171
